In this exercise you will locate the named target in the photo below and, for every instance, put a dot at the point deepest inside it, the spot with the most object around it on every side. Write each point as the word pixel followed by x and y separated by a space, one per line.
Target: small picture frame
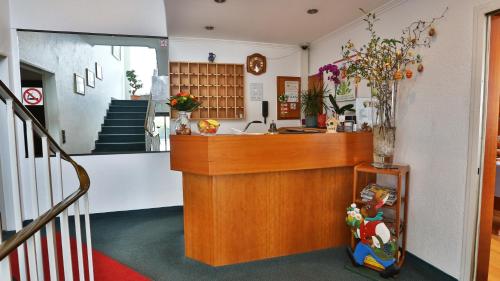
pixel 98 71
pixel 90 78
pixel 79 84
pixel 117 52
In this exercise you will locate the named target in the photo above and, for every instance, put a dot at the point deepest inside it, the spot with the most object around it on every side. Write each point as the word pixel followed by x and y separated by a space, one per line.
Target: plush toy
pixel 376 248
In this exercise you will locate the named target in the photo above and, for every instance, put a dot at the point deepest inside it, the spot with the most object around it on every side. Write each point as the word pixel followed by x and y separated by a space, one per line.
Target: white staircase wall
pixel 119 182
pixel 124 182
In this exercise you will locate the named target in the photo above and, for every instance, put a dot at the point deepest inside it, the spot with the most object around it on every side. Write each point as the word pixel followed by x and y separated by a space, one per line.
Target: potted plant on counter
pixel 312 102
pixel 336 109
pixel 184 103
pixel 134 83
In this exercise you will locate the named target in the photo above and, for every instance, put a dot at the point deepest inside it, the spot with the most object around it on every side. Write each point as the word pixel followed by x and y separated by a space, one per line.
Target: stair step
pixel 119 147
pixel 122 130
pixel 123 122
pixel 121 108
pixel 120 138
pixel 126 115
pixel 130 102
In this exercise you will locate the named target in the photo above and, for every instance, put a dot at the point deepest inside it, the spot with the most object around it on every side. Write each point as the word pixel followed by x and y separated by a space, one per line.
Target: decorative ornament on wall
pixel 211 57
pixel 256 64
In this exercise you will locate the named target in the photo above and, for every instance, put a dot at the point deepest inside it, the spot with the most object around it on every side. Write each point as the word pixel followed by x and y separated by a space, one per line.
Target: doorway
pixel 488 242
pixel 32 81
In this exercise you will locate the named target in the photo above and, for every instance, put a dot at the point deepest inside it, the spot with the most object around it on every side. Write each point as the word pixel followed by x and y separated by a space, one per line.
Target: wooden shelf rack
pixel 365 174
pixel 219 87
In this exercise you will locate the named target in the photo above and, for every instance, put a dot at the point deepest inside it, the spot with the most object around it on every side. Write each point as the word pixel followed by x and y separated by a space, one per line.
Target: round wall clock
pixel 256 64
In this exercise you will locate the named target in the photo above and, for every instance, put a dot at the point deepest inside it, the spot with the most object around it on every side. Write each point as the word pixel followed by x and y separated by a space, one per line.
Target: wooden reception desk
pixel 254 197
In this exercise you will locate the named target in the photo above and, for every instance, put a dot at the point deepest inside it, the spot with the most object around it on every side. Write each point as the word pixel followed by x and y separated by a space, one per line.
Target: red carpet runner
pixel 105 268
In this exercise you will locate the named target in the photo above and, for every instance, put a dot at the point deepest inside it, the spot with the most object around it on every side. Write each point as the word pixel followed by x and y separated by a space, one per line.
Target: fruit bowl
pixel 208 127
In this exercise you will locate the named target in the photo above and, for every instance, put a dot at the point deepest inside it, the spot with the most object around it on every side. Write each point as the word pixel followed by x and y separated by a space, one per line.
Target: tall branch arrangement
pixel 382 61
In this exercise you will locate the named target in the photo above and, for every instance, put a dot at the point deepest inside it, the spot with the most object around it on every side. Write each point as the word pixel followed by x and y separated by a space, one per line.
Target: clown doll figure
pixel 376 247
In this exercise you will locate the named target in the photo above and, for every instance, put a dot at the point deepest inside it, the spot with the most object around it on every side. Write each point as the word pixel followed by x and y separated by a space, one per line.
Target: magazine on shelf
pixel 370 190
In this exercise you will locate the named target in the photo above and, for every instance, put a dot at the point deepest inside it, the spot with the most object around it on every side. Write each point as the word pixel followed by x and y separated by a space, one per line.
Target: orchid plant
pixel 333 73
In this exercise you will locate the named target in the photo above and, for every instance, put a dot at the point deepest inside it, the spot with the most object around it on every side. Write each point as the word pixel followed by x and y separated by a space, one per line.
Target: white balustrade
pixel 35 186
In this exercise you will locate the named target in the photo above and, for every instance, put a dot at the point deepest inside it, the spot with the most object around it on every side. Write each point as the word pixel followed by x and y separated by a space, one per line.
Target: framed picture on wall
pixel 90 78
pixel 98 71
pixel 288 97
pixel 117 52
pixel 346 91
pixel 79 84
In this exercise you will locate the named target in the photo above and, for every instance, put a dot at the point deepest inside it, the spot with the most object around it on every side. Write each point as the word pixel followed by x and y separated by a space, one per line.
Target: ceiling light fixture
pixel 220 1
pixel 209 27
pixel 312 11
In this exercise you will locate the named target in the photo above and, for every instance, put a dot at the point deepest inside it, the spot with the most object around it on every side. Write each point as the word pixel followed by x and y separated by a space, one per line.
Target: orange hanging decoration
pixel 409 74
pixel 398 75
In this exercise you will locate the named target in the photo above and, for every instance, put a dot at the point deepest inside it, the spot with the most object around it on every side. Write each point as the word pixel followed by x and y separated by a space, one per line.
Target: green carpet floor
pixel 152 243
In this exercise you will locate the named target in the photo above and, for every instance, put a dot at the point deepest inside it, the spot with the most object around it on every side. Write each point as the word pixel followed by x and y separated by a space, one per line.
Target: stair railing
pixel 152 136
pixel 28 239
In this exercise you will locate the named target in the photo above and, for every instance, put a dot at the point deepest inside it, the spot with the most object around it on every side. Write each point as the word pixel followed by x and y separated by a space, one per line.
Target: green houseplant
pixel 342 88
pixel 312 103
pixel 134 83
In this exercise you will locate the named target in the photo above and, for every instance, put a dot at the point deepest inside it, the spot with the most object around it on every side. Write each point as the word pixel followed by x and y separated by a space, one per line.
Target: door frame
pixel 476 140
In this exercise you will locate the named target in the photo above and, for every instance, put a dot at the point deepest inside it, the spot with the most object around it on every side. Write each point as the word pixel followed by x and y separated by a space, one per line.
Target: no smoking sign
pixel 32 96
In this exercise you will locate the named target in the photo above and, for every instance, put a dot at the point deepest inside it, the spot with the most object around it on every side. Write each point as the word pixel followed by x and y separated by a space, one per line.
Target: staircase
pixel 123 127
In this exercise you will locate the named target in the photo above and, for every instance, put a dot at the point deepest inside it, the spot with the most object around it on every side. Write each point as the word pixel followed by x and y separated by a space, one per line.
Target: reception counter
pixel 248 198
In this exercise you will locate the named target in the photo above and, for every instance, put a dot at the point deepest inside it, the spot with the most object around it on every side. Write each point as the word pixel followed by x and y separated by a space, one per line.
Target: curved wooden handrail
pixel 36 225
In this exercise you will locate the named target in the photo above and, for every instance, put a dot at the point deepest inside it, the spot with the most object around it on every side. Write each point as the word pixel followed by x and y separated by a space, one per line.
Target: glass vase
pixel 384 123
pixel 183 124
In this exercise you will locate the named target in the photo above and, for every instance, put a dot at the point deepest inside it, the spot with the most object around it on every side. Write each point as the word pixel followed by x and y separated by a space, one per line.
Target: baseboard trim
pixel 138 212
pixel 419 260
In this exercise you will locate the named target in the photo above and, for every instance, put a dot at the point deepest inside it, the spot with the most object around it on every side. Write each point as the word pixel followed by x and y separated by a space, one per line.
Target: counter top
pixel 242 154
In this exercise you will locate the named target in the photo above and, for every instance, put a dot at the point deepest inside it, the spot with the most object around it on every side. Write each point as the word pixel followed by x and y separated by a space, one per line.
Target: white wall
pixel 143 60
pixel 282 60
pixel 4 40
pixel 5 50
pixel 118 182
pixel 432 121
pixel 129 17
pixel 128 181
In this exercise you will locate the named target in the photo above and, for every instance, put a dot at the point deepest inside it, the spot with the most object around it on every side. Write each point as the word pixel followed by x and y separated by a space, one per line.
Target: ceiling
pixel 273 21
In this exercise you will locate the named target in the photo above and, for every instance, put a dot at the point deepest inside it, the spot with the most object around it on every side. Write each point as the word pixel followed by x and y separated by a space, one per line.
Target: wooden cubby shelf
pixel 365 174
pixel 219 87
